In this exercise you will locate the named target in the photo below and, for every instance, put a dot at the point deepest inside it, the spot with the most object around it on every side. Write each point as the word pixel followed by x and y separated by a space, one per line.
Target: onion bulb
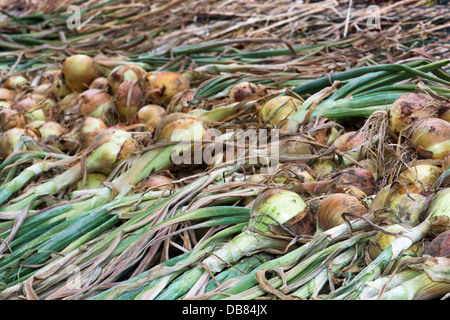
pixel 7 95
pixel 439 246
pixel 100 83
pixel 333 206
pixel 407 109
pixel 151 115
pixel 130 97
pixel 382 240
pixel 355 177
pixel 444 112
pixel 431 138
pixel 30 108
pixel 162 86
pixel 157 182
pixel 322 130
pixel 59 86
pixel 407 208
pixel 98 104
pixel 120 74
pixel 241 91
pixel 9 140
pixel 79 71
pixel 349 141
pixel 323 167
pixel 446 162
pixel 16 82
pixel 50 130
pixel 89 130
pixel 420 177
pixel 277 110
pixel 10 118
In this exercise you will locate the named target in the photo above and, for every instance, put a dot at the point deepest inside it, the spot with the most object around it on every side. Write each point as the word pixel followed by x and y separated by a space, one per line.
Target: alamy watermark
pixel 74 20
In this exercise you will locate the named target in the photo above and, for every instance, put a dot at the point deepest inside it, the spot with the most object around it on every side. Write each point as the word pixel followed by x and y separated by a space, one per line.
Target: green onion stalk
pixel 110 148
pixel 439 210
pixel 272 209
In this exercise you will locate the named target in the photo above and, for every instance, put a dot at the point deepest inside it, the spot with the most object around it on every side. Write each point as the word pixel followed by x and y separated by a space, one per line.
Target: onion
pixel 277 110
pixel 91 127
pixel 98 104
pixel 79 71
pixel 10 118
pixel 446 162
pixel 382 240
pixel 180 102
pixel 372 166
pixel 7 95
pixel 407 109
pixel 322 130
pixel 333 206
pixel 50 130
pixel 100 83
pixel 355 177
pixel 407 208
pixel 431 138
pixel 439 246
pixel 157 182
pixel 30 108
pixel 323 167
pixel 293 146
pixel 444 112
pixel 130 97
pixel 349 141
pixel 16 82
pixel 241 91
pixel 419 177
pixel 380 198
pixel 120 74
pixel 151 115
pixel 162 86
pixel 9 141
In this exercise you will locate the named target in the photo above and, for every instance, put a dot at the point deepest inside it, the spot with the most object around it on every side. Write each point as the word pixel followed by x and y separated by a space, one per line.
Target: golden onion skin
pixel 333 206
pixel 431 138
pixel 151 115
pixel 120 74
pixel 349 141
pixel 79 71
pixel 242 91
pixel 161 87
pixel 129 98
pixel 277 110
pixel 407 109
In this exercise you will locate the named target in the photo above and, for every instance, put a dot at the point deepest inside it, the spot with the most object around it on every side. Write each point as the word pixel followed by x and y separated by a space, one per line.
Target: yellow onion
pixel 130 97
pixel 293 146
pixel 349 141
pixel 356 177
pixel 120 74
pixel 91 127
pixel 431 138
pixel 277 110
pixel 79 71
pixel 241 91
pixel 333 206
pixel 10 118
pixel 110 147
pixel 69 102
pixel 407 109
pixel 444 112
pixel 16 82
pixel 157 182
pixel 162 86
pixel 44 89
pixel 94 180
pixel 371 165
pixel 30 108
pixel 323 167
pixel 7 95
pixel 379 199
pixel 50 130
pixel 382 240
pixel 407 208
pixel 180 102
pixel 439 246
pixel 151 115
pixel 419 177
pixel 9 140
pixel 100 83
pixel 323 130
pixel 97 103
pixel 44 102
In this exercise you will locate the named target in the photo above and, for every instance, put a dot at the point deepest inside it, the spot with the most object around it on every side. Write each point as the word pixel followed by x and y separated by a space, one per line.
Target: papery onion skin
pixel 7 95
pixel 91 127
pixel 407 208
pixel 10 118
pixel 157 182
pixel 277 109
pixel 16 82
pixel 431 138
pixel 444 112
pixel 129 98
pixel 151 115
pixel 180 102
pixel 98 104
pixel 9 141
pixel 333 206
pixel 407 109
pixel 30 108
pixel 349 141
pixel 357 177
pixel 439 246
pixel 120 74
pixel 79 71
